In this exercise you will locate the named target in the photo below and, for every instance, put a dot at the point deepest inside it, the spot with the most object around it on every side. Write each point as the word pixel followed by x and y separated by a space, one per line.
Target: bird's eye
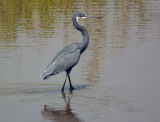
pixel 82 15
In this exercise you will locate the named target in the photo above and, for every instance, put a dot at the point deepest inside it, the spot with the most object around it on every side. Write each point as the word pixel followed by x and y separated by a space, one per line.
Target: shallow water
pixel 117 78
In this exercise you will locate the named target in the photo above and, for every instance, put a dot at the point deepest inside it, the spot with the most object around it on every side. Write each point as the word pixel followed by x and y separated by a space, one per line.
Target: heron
pixel 68 57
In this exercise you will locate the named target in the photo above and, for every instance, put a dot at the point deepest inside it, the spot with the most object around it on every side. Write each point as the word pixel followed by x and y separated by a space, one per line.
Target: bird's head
pixel 79 15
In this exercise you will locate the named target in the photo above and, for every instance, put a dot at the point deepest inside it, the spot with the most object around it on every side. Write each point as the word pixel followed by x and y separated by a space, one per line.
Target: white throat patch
pixel 77 18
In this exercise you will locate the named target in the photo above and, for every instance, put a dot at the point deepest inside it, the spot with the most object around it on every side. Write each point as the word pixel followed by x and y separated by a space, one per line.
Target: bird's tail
pixel 43 70
pixel 46 72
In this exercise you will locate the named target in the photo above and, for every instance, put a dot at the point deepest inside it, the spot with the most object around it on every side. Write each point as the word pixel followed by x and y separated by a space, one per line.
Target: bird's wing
pixel 67 61
pixel 70 48
pixel 66 58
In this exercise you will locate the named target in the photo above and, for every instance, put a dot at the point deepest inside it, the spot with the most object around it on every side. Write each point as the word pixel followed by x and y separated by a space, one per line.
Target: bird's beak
pixel 84 16
pixel 88 16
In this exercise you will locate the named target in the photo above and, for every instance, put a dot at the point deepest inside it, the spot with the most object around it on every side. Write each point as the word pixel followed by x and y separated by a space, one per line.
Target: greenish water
pixel 117 78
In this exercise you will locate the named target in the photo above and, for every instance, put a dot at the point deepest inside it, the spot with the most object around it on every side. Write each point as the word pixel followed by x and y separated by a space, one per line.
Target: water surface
pixel 117 78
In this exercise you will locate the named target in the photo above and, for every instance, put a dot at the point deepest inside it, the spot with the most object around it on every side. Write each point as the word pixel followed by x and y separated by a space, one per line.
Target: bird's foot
pixel 72 88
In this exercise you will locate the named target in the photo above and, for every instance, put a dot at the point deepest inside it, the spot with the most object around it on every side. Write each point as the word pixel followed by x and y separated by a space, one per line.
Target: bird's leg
pixel 64 83
pixel 71 87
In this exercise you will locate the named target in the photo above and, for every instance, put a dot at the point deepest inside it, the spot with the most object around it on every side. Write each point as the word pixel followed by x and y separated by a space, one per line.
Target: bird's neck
pixel 84 44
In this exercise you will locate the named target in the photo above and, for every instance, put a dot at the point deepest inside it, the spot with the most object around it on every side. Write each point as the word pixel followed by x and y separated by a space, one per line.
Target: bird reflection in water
pixel 66 115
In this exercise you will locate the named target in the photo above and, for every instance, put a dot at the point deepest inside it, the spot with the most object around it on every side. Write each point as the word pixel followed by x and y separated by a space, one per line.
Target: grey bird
pixel 68 57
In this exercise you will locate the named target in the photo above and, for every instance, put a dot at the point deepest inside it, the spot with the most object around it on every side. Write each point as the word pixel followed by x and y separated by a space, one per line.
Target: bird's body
pixel 68 57
pixel 64 60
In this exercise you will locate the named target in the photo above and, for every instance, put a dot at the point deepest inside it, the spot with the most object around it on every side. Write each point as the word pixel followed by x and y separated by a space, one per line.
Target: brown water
pixel 117 78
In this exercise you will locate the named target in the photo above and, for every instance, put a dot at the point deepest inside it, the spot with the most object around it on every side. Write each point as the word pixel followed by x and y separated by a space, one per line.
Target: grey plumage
pixel 67 58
